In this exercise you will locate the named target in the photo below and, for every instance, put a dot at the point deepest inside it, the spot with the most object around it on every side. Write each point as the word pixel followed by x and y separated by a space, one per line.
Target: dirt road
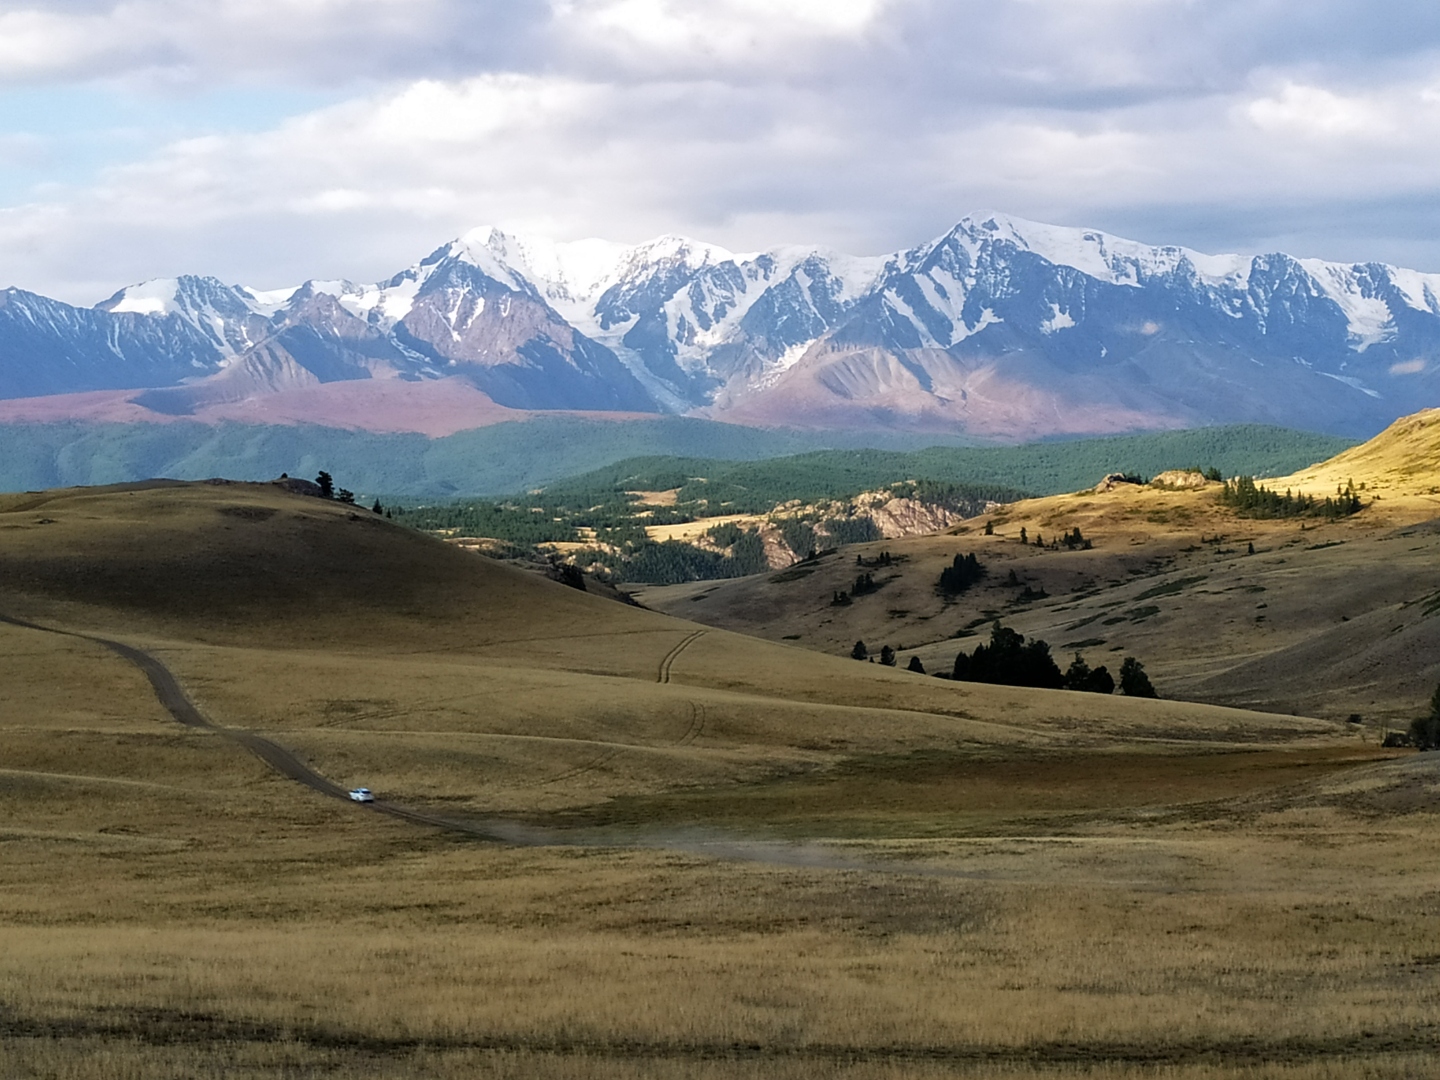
pixel 173 697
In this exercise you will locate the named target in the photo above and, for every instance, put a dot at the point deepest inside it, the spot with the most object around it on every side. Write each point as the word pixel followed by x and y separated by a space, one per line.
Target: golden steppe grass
pixel 773 864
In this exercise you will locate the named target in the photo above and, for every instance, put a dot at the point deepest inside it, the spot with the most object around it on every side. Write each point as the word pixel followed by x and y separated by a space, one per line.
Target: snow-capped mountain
pixel 999 327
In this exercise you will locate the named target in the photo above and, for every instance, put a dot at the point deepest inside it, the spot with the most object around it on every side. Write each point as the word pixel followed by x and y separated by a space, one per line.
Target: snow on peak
pixel 692 254
pixel 574 270
pixel 268 301
pixel 155 297
pixel 194 298
pixel 1100 255
pixel 1369 316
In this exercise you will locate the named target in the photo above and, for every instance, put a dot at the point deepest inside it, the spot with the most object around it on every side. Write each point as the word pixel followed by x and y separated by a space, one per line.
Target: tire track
pixel 178 704
pixel 580 770
pixel 697 725
pixel 685 643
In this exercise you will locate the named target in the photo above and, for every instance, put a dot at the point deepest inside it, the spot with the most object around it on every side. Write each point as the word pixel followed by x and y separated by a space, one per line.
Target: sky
pixel 270 141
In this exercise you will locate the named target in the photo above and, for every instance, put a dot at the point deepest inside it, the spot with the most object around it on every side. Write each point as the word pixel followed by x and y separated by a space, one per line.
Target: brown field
pixel 732 858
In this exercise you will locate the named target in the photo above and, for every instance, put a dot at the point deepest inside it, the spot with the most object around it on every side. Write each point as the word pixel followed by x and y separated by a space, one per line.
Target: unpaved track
pixel 664 674
pixel 178 704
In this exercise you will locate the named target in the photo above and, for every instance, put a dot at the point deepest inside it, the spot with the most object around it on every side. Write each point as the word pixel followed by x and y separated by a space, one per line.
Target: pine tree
pixel 859 652
pixel 1077 674
pixel 887 656
pixel 1010 660
pixel 1133 680
pixel 916 666
pixel 327 485
pixel 1100 681
pixel 965 571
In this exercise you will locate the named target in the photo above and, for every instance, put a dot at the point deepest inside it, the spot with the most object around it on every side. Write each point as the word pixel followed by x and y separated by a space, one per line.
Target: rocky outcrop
pixel 1180 480
pixel 911 517
pixel 1114 481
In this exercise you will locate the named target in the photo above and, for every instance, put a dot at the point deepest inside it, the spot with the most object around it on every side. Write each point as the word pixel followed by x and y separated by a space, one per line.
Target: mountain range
pixel 1001 328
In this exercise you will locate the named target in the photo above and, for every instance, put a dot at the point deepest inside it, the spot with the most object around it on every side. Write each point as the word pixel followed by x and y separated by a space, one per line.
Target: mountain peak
pixel 1094 252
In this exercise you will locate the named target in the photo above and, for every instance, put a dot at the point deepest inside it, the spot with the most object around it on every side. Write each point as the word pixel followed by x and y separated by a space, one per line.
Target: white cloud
pixel 198 41
pixel 1316 112
pixel 727 31
pixel 866 124
pixel 36 43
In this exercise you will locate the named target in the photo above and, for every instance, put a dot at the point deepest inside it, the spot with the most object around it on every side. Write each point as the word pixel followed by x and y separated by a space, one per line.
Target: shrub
pixel 1425 730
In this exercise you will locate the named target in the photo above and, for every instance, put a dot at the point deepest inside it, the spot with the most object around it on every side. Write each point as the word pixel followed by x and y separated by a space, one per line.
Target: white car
pixel 362 794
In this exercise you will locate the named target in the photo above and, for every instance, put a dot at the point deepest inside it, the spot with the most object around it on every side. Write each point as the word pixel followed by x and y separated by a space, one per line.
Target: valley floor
pixel 173 908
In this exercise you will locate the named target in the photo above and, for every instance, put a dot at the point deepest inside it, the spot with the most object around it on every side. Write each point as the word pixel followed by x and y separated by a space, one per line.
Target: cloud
pixel 306 41
pixel 865 124
pixel 1315 112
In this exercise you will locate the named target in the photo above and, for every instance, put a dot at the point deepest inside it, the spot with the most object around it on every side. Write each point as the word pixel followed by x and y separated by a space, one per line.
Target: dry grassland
pixel 761 861
pixel 1323 619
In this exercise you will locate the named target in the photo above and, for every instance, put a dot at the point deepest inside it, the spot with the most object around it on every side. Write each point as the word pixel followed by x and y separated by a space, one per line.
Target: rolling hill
pixel 662 845
pixel 1301 614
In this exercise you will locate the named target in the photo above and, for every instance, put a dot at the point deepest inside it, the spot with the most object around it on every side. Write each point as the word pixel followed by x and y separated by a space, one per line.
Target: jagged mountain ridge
pixel 1000 327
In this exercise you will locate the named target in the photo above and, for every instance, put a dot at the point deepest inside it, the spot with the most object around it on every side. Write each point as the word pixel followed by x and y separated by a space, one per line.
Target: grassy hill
pixel 1401 464
pixel 1302 614
pixel 729 856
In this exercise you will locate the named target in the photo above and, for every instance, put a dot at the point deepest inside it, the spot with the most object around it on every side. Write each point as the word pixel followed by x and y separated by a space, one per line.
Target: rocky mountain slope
pixel 1000 328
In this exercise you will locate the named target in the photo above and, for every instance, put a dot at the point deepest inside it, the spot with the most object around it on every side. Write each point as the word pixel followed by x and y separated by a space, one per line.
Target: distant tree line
pixel 799 537
pixel 1252 500
pixel 671 562
pixel 860 529
pixel 498 521
pixel 1011 660
pixel 726 534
